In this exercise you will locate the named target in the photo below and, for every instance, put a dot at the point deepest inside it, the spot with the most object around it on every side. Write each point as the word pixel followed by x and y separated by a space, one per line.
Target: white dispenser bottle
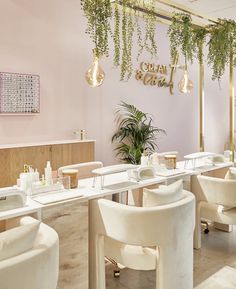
pixel 48 174
pixel 144 159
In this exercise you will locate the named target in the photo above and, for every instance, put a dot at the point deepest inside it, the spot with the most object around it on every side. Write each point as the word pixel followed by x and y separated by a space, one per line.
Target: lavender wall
pixel 47 37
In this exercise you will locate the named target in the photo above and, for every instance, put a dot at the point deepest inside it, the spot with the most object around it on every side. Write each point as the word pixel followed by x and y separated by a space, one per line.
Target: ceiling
pixel 212 8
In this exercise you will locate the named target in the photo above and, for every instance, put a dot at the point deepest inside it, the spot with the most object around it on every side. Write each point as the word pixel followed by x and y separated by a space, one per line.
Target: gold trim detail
pixel 172 73
pixel 202 101
pixel 231 106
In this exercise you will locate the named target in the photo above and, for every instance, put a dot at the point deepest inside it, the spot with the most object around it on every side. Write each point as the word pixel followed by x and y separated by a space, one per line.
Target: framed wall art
pixel 19 93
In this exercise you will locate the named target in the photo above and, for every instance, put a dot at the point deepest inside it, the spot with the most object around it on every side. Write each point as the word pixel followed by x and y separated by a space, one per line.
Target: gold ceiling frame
pixel 164 17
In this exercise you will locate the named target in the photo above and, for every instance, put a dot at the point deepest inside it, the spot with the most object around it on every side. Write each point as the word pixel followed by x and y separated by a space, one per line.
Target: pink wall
pixel 47 37
pixel 44 37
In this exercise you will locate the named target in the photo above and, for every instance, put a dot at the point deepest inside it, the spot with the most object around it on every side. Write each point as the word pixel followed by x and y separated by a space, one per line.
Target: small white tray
pixel 57 196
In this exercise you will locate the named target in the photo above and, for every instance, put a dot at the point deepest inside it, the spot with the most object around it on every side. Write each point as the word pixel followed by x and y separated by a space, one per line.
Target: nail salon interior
pixel 117 144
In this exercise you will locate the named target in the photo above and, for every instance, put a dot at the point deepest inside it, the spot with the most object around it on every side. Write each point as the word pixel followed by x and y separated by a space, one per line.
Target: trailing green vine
pixel 199 38
pixel 222 41
pixel 151 22
pixel 147 41
pixel 185 37
pixel 130 21
pixel 126 23
pixel 98 14
pixel 139 37
pixel 130 45
pixel 189 39
pixel 116 36
pixel 127 43
pixel 124 61
pixel 181 36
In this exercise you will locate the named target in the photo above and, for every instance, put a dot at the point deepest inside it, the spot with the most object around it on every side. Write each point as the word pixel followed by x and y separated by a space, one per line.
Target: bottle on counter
pixel 48 174
pixel 82 134
pixel 144 159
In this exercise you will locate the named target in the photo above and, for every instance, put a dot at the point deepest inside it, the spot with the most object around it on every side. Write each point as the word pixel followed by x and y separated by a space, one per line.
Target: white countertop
pixel 30 207
pixel 52 142
pixel 202 166
pixel 115 183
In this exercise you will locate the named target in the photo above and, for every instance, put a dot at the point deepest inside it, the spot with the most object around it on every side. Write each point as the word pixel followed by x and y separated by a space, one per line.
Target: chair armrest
pixel 218 191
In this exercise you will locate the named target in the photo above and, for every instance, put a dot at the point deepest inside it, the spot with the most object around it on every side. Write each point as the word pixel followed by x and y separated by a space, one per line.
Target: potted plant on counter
pixel 135 133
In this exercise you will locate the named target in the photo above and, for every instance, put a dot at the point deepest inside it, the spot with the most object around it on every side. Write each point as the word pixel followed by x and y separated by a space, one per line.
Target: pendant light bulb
pixel 95 75
pixel 185 85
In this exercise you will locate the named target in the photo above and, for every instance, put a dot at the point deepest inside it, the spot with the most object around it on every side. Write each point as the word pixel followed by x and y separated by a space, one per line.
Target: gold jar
pixel 170 162
pixel 73 174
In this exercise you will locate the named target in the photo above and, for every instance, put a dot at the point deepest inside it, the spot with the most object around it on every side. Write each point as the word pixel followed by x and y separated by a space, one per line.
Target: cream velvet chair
pixel 125 234
pixel 216 201
pixel 36 268
pixel 84 169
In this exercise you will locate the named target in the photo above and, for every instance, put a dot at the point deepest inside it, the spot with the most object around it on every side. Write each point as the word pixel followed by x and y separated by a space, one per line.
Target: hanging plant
pixel 150 21
pixel 222 41
pixel 189 39
pixel 181 36
pixel 139 37
pixel 98 14
pixel 148 42
pixel 199 38
pixel 127 43
pixel 130 21
pixel 116 36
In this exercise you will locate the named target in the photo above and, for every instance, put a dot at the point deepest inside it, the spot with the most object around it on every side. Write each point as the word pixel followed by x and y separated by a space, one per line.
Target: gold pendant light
pixel 185 85
pixel 95 75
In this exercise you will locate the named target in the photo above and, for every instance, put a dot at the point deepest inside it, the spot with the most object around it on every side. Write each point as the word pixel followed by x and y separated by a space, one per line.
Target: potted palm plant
pixel 135 134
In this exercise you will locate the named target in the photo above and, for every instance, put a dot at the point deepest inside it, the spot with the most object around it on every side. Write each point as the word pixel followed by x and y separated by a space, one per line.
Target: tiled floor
pixel 218 250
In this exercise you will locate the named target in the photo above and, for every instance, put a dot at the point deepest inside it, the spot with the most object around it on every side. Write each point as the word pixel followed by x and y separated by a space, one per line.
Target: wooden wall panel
pixel 67 154
pixel 5 175
pixel 83 153
pixel 12 160
pixel 61 155
pixel 36 156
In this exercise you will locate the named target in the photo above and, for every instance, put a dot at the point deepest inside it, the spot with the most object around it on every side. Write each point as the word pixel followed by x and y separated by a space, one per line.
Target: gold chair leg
pixel 116 271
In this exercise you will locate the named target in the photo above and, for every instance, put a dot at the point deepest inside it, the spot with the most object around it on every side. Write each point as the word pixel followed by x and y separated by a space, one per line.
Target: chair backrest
pixel 218 191
pixel 43 260
pixel 84 169
pixel 145 226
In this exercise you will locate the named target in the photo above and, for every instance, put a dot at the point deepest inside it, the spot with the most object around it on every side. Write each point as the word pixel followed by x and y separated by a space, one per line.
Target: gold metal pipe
pixel 202 100
pixel 140 11
pixel 186 9
pixel 231 105
pixel 161 15
pixel 172 72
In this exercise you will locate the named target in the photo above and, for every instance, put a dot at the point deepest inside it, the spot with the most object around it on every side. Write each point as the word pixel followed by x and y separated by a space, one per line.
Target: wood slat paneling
pixel 12 160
